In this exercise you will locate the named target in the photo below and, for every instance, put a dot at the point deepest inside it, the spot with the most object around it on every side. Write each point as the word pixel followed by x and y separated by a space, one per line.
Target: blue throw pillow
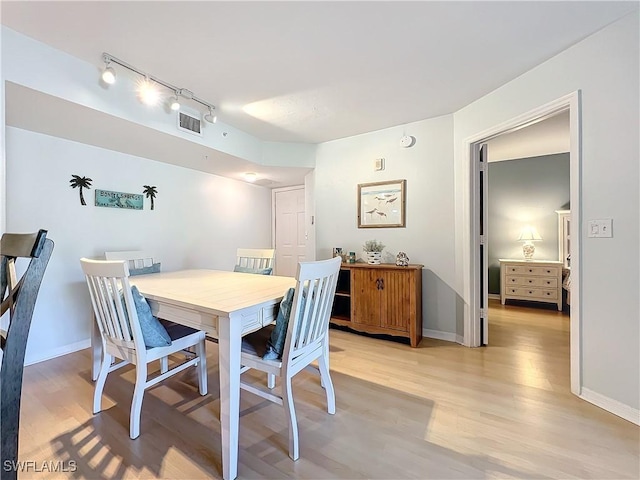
pixel 155 268
pixel 153 333
pixel 259 271
pixel 275 344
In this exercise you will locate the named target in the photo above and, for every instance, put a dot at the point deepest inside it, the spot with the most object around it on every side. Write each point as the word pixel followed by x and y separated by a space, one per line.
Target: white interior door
pixel 290 237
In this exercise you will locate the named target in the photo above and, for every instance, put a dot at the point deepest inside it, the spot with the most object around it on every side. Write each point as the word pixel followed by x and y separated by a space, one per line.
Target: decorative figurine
pixel 402 260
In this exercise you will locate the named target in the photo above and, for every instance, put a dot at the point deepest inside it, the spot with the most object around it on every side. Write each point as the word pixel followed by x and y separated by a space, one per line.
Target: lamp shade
pixel 529 234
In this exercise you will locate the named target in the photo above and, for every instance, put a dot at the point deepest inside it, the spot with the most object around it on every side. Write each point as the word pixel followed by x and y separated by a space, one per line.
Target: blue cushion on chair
pixel 153 332
pixel 155 268
pixel 259 271
pixel 275 344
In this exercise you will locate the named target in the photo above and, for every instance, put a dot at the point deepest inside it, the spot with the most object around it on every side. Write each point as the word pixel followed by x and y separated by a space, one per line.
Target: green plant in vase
pixel 373 250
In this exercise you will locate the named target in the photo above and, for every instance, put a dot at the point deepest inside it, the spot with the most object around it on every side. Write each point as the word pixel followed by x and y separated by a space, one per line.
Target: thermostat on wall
pixel 407 141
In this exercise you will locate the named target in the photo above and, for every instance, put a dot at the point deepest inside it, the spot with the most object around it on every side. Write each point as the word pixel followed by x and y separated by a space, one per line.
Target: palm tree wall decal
pixel 150 192
pixel 80 182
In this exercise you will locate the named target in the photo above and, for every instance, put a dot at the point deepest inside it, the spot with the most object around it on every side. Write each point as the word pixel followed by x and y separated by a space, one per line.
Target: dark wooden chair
pixel 18 298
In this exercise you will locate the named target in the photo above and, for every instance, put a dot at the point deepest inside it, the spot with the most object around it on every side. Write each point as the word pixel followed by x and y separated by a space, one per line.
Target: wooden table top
pixel 212 291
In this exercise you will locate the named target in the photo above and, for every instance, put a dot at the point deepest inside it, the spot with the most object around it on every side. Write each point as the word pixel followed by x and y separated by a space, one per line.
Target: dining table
pixel 226 305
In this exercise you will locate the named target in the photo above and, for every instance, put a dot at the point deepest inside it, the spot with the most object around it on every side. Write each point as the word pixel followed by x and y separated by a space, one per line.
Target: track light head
pixel 109 75
pixel 211 117
pixel 174 103
pixel 148 92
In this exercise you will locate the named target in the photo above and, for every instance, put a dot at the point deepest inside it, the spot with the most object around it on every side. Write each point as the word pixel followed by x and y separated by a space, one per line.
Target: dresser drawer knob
pixel 530 292
pixel 530 270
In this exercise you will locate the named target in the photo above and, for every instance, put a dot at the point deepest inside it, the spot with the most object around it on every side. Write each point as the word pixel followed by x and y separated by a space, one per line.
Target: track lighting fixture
pixel 109 74
pixel 148 87
pixel 174 103
pixel 148 92
pixel 211 117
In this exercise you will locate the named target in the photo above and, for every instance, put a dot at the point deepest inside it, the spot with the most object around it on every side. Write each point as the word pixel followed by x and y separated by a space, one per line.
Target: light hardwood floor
pixel 438 411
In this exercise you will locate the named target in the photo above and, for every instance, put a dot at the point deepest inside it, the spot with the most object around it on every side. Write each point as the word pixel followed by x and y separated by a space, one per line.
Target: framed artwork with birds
pixel 382 204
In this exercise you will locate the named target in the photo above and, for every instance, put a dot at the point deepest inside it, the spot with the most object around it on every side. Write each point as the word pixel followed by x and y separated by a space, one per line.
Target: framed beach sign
pixel 107 198
pixel 382 204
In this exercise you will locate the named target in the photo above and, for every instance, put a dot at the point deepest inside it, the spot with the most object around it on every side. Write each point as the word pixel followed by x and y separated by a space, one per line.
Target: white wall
pixel 199 220
pixel 428 238
pixel 605 68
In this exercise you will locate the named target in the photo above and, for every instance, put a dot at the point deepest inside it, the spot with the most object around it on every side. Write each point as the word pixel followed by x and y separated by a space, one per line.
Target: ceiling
pixel 311 71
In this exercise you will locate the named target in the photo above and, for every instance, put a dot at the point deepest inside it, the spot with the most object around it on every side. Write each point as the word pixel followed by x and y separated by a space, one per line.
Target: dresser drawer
pixel 533 293
pixel 532 270
pixel 532 281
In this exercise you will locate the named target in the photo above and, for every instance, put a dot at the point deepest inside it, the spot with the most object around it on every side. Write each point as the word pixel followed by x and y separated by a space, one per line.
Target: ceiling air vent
pixel 189 122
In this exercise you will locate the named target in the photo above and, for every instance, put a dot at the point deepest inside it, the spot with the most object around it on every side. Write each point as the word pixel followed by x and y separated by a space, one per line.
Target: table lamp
pixel 528 235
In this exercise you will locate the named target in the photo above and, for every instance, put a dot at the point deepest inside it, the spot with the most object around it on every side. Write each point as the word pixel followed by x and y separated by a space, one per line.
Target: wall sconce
pixel 528 235
pixel 147 90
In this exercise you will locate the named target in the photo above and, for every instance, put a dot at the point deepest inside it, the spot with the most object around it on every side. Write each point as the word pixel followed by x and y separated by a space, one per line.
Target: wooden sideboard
pixel 533 280
pixel 380 299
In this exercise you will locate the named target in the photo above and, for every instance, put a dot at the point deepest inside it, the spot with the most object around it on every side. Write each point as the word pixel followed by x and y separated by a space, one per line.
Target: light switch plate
pixel 601 228
pixel 379 164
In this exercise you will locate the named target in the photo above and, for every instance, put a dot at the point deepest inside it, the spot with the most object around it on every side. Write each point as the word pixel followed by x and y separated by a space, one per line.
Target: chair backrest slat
pixel 309 320
pixel 257 258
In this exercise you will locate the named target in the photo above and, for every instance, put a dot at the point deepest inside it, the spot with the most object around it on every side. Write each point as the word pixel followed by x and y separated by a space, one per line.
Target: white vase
pixel 373 258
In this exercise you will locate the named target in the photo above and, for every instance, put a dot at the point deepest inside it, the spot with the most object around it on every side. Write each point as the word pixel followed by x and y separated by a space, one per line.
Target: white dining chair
pixel 255 258
pixel 307 339
pixel 139 261
pixel 122 335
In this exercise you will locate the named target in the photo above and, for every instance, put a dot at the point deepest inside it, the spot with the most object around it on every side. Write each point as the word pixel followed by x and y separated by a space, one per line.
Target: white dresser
pixel 533 280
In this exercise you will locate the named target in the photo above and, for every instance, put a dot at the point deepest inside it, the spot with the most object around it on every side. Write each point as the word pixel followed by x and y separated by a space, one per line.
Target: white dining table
pixel 227 306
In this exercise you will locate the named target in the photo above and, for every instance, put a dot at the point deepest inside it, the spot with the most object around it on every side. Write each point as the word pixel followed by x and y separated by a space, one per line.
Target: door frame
pixel 571 102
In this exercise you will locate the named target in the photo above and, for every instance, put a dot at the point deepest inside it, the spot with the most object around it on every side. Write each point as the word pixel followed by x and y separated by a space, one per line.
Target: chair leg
pixel 325 350
pixel 100 381
pixel 289 408
pixel 323 366
pixel 201 368
pixel 136 404
pixel 271 380
pixel 164 364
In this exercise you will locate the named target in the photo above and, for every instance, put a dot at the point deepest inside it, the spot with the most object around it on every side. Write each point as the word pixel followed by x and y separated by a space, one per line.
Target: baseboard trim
pixel 58 352
pixel 494 296
pixel 610 405
pixel 439 335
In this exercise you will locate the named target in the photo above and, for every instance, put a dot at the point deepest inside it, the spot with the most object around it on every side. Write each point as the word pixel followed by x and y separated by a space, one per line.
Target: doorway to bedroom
pixel 533 269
